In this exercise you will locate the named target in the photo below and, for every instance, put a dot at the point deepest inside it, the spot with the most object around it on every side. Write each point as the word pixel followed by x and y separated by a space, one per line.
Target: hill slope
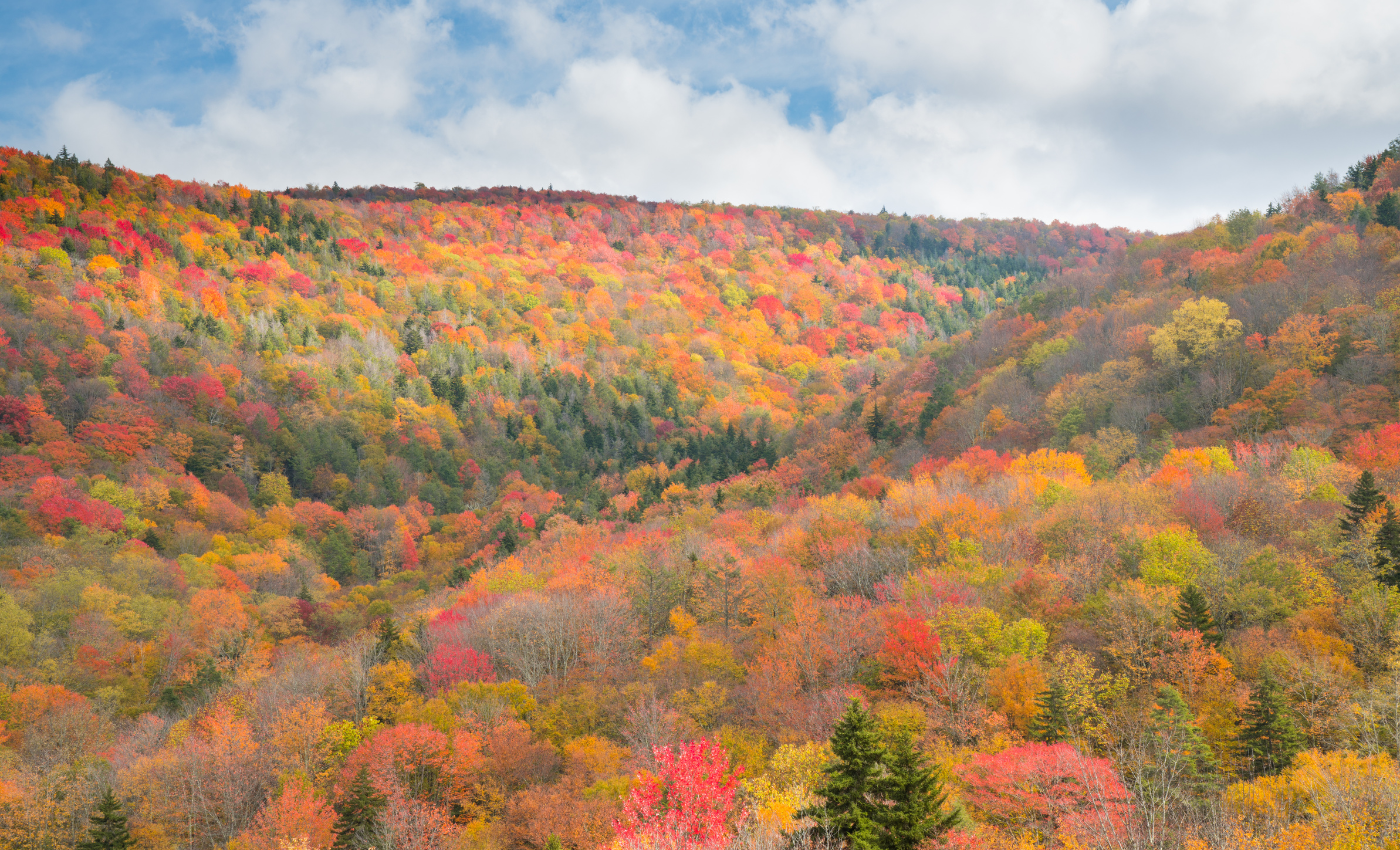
pixel 493 491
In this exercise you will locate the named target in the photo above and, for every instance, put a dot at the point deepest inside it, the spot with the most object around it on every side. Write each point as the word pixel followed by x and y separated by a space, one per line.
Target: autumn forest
pixel 506 519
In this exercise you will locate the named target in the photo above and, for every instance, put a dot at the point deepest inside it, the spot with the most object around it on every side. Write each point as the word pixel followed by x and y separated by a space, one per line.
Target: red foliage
pixel 1050 788
pixel 250 411
pixel 14 416
pixel 910 650
pixel 191 391
pixel 449 664
pixel 1378 449
pixel 688 804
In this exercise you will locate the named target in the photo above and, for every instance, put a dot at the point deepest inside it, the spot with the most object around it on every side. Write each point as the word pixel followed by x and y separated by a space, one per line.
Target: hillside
pixel 494 492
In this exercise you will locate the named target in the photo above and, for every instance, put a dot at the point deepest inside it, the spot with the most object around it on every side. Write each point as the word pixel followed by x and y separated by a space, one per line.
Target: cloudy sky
pixel 1148 113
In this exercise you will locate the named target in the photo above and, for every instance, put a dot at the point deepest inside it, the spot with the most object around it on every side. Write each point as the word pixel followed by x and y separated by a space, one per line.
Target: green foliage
pixel 109 830
pixel 1053 721
pixel 1193 614
pixel 357 814
pixel 1269 736
pixel 15 637
pixel 1364 497
pixel 1174 558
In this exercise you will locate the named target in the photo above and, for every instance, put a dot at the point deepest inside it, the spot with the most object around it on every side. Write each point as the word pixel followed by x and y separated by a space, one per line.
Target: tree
pixel 1270 739
pixel 1388 210
pixel 1183 759
pixel 1051 724
pixel 917 812
pixel 1364 498
pixel 875 422
pixel 1198 328
pixel 1388 549
pixel 1193 614
pixel 688 804
pixel 357 813
pixel 852 780
pixel 108 830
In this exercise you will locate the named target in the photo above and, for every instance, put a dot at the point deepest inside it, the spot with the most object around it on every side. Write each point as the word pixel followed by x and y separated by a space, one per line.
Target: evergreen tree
pixel 388 639
pixel 1388 550
pixel 1193 614
pixel 916 801
pixel 1051 723
pixel 1364 498
pixel 357 813
pixel 875 423
pixel 852 780
pixel 1184 759
pixel 1269 739
pixel 108 830
pixel 1388 210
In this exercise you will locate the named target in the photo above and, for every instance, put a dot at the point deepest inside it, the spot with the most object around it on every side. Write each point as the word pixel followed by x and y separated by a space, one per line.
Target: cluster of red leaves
pixel 688 804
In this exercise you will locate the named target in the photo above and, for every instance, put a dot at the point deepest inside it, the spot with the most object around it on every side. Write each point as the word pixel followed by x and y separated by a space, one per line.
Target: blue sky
pixel 1147 113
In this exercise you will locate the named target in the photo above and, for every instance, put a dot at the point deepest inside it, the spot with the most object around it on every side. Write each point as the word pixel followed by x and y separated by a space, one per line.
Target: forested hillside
pixel 501 519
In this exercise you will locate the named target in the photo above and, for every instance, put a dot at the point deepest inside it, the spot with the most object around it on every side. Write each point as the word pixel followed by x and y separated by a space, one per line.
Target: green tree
pixel 1193 614
pixel 1051 724
pixel 1270 739
pixel 357 813
pixel 273 489
pixel 15 637
pixel 1388 210
pixel 1198 328
pixel 388 640
pixel 875 422
pixel 852 780
pixel 108 830
pixel 917 800
pixel 1388 549
pixel 1184 762
pixel 1364 498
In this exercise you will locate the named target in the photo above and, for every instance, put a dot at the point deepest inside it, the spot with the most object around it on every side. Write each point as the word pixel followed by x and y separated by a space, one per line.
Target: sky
pixel 1150 114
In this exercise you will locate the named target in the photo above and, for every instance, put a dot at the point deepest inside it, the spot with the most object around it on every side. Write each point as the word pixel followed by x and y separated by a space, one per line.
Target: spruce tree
pixel 875 423
pixel 388 639
pixel 357 813
pixel 1193 614
pixel 108 830
pixel 1051 723
pixel 916 798
pixel 1388 549
pixel 1184 756
pixel 1364 498
pixel 852 780
pixel 1269 739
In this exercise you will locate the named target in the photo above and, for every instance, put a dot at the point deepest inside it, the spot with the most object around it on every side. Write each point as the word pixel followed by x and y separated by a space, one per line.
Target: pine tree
pixel 1193 614
pixel 388 639
pixel 852 780
pixel 357 813
pixel 1051 723
pixel 1269 739
pixel 1184 757
pixel 875 423
pixel 1388 549
pixel 916 801
pixel 1388 210
pixel 108 830
pixel 1364 498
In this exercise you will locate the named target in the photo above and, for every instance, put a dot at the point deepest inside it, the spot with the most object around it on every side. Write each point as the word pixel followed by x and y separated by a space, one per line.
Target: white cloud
pixel 55 36
pixel 1156 114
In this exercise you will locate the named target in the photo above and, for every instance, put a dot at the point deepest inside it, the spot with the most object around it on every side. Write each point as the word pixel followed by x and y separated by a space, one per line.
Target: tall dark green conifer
pixel 1051 723
pixel 875 423
pixel 357 814
pixel 1364 498
pixel 852 780
pixel 108 830
pixel 1269 738
pixel 1388 549
pixel 1184 758
pixel 1193 614
pixel 917 798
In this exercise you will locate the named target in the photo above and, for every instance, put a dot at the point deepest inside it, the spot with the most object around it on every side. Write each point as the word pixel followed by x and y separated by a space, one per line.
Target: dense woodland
pixel 509 519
